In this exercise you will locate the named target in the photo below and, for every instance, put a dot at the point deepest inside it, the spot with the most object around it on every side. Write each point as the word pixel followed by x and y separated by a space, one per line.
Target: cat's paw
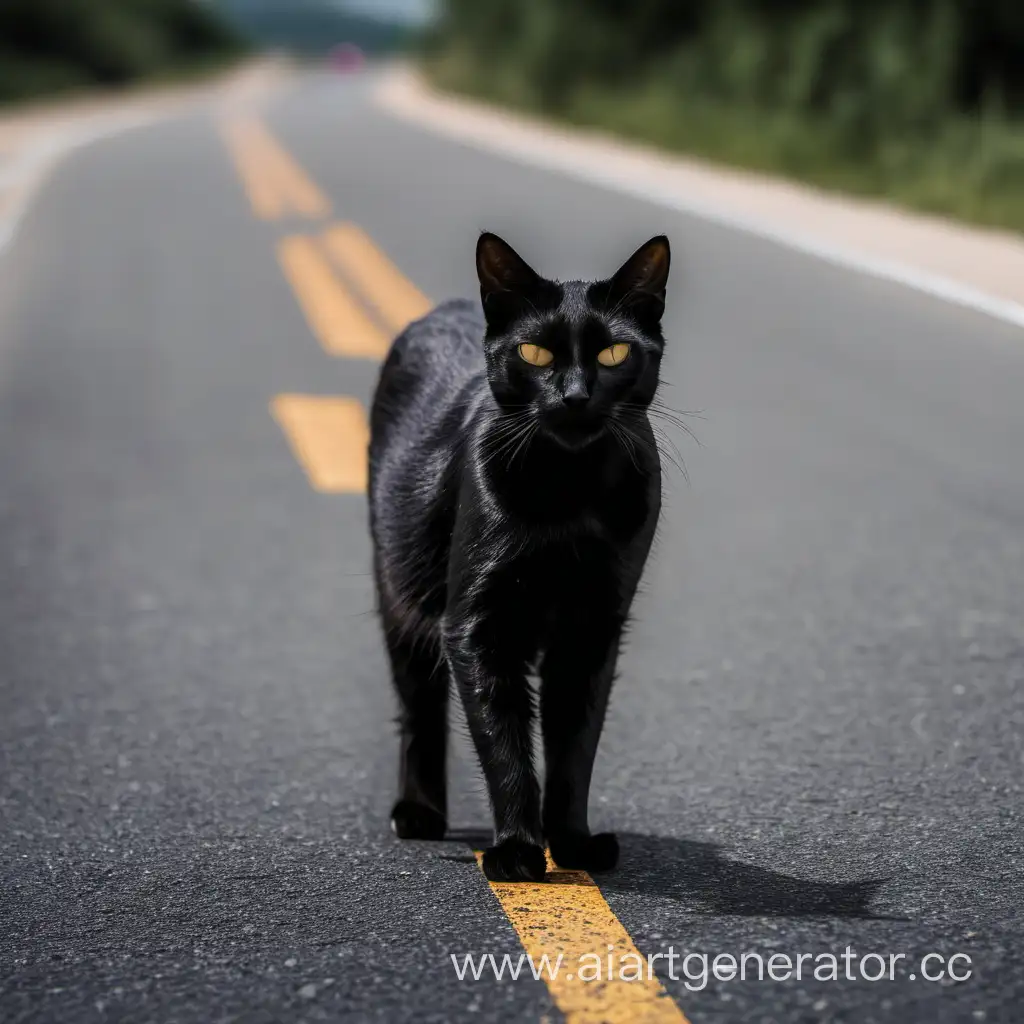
pixel 585 853
pixel 514 861
pixel 410 820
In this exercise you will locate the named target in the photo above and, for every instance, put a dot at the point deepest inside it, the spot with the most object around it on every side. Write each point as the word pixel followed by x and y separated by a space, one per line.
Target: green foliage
pixel 922 100
pixel 47 45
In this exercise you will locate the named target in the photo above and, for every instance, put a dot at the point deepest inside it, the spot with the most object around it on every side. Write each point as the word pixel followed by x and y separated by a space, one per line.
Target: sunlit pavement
pixel 816 741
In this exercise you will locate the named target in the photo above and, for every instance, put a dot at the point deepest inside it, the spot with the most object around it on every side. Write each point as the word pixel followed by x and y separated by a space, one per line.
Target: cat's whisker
pixel 625 443
pixel 524 444
pixel 678 424
pixel 496 437
pixel 666 447
pixel 662 404
pixel 618 305
pixel 683 414
pixel 502 428
pixel 507 441
pixel 668 451
pixel 505 427
pixel 673 416
pixel 677 461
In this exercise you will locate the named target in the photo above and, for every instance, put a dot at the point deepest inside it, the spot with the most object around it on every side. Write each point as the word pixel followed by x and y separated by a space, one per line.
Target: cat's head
pixel 575 354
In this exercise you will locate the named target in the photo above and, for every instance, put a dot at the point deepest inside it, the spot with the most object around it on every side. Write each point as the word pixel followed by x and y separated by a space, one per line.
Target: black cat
pixel 515 487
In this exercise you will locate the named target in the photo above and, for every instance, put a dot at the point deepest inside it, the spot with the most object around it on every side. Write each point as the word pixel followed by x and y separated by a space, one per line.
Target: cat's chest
pixel 567 573
pixel 588 516
pixel 553 507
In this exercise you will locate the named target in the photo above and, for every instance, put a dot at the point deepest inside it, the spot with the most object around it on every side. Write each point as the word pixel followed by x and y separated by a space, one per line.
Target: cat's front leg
pixel 576 680
pixel 499 708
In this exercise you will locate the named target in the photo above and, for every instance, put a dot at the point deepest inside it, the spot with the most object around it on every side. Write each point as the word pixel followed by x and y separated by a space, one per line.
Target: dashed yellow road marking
pixel 265 196
pixel 329 436
pixel 275 183
pixel 336 319
pixel 567 915
pixel 393 295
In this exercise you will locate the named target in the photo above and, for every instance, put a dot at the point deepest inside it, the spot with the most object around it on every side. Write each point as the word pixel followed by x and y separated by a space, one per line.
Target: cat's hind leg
pixel 421 682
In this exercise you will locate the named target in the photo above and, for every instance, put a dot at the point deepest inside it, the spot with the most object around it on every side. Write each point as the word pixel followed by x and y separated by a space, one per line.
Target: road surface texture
pixel 816 742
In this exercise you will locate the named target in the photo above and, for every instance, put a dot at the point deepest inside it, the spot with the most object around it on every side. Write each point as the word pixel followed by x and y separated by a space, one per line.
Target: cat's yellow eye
pixel 613 354
pixel 535 355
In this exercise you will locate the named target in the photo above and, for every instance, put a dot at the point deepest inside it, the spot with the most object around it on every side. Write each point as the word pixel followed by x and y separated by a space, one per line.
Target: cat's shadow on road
pixel 701 876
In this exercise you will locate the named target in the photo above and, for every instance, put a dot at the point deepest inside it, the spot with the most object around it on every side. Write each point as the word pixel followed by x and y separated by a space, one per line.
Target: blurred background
pixel 917 100
pixel 818 735
pixel 57 46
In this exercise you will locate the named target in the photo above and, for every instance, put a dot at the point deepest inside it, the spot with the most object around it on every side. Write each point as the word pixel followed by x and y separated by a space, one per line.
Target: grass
pixel 967 168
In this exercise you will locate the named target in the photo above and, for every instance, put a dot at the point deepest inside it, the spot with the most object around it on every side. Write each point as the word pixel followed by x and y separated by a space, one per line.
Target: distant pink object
pixel 347 57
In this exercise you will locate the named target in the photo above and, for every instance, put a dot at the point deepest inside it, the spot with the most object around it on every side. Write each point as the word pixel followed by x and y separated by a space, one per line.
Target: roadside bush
pixel 919 99
pixel 55 44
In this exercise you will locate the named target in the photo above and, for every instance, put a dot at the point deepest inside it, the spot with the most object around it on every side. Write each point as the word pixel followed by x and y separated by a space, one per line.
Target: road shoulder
pixel 33 137
pixel 974 267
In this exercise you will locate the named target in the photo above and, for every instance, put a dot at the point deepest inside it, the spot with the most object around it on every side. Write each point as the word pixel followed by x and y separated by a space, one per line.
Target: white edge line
pixel 936 285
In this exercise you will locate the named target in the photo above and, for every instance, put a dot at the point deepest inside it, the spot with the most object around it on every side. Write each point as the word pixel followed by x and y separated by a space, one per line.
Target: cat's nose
pixel 575 395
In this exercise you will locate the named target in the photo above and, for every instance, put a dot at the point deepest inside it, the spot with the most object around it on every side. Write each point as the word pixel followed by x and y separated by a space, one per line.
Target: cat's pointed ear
pixel 644 276
pixel 501 269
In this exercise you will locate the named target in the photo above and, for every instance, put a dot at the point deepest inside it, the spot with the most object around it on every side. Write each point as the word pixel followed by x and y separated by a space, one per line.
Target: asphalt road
pixel 817 738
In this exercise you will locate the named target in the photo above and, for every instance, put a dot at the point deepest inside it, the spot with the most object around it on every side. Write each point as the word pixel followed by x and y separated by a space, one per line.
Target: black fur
pixel 512 508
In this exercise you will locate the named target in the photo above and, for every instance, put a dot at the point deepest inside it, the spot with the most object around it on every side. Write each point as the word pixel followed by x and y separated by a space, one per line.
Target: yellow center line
pixel 567 916
pixel 305 197
pixel 329 436
pixel 275 183
pixel 265 197
pixel 394 296
pixel 336 319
